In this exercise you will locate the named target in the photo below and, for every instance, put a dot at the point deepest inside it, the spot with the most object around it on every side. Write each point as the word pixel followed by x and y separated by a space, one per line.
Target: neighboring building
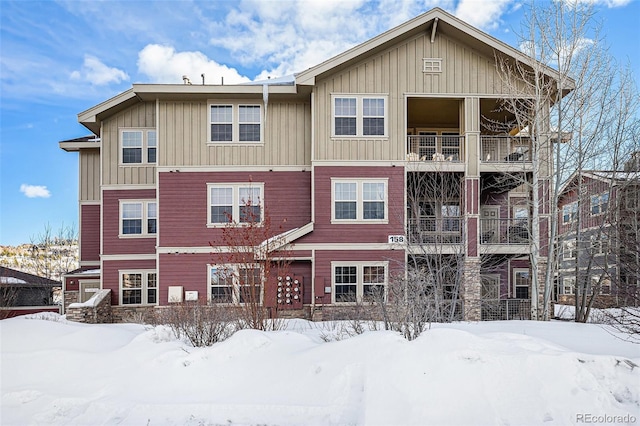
pixel 22 293
pixel 598 239
pixel 335 157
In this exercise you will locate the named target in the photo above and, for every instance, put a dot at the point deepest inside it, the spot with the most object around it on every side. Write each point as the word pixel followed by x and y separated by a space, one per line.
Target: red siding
pixel 90 233
pixel 324 231
pixel 589 187
pixel 112 243
pixel 324 259
pixel 111 274
pixel 191 272
pixel 184 208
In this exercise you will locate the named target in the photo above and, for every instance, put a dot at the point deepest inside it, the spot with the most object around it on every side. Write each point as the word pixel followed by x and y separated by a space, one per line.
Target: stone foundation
pixel 96 310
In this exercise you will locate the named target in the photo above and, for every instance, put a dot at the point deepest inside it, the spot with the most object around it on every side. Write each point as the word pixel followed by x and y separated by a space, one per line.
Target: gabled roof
pixel 601 175
pixel 15 277
pixel 71 145
pixel 432 22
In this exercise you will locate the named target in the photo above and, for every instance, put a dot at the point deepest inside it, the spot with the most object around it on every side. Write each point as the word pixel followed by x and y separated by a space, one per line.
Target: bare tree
pixel 53 254
pixel 252 256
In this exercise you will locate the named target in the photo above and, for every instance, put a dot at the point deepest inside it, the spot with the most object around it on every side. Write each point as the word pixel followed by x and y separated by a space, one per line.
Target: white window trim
pixel 360 265
pixel 573 212
pixel 145 147
pixel 145 281
pixel 235 124
pixel 145 217
pixel 515 274
pixel 567 252
pixel 431 65
pixel 359 200
pixel 571 283
pixel 236 202
pixel 360 115
pixel 235 291
pixel 598 203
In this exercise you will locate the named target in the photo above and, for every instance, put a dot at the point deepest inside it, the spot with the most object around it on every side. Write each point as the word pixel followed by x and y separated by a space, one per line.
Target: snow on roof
pixel 12 280
pixel 285 80
pixel 93 301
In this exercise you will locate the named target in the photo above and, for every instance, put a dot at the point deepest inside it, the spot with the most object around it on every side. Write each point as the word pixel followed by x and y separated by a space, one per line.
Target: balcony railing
pixel 504 231
pixel 435 230
pixel 505 309
pixel 435 148
pixel 505 149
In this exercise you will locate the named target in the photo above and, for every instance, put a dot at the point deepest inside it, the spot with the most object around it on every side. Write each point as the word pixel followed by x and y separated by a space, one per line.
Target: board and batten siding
pixel 89 175
pixel 141 115
pixel 395 72
pixel 183 134
pixel 90 233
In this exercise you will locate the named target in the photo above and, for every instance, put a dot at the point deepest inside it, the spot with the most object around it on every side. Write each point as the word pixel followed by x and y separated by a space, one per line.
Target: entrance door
pixel 88 288
pixel 489 224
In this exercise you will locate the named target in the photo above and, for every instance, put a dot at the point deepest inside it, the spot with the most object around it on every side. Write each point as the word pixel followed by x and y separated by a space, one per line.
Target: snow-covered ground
pixel 491 373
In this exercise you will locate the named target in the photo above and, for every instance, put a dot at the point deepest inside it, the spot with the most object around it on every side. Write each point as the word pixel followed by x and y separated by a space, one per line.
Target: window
pixel 569 250
pixel 359 115
pixel 235 123
pixel 138 287
pixel 359 200
pixel 431 65
pixel 138 218
pixel 138 146
pixel 605 284
pixel 599 245
pixel 235 284
pixel 522 282
pixel 569 212
pixel 450 217
pixel 568 285
pixel 599 203
pixel 358 281
pixel 632 198
pixel 235 203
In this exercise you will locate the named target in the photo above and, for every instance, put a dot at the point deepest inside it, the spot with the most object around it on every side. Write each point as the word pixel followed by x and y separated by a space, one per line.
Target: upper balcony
pixel 505 153
pixel 442 152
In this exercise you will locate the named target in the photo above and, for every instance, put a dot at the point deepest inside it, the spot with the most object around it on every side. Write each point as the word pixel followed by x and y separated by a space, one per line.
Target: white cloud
pixel 162 64
pixel 35 191
pixel 97 73
pixel 485 15
pixel 608 3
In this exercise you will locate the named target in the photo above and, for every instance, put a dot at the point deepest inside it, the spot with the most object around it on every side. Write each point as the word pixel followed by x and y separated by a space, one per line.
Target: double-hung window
pixel 569 250
pixel 359 281
pixel 599 203
pixel 568 285
pixel 138 287
pixel 359 200
pixel 138 146
pixel 521 284
pixel 235 284
pixel 233 122
pixel 138 218
pixel 235 203
pixel 569 212
pixel 359 115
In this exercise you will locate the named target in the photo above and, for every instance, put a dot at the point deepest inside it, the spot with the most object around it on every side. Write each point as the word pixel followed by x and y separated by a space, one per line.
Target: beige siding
pixel 89 175
pixel 396 72
pixel 183 137
pixel 141 115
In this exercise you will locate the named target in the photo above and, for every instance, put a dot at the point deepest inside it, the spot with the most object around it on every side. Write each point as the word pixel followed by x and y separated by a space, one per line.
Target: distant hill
pixel 46 260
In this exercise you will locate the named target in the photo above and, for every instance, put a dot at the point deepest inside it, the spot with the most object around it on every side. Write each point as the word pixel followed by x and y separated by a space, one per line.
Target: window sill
pixel 359 222
pixel 360 137
pixel 231 225
pixel 234 143
pixel 136 236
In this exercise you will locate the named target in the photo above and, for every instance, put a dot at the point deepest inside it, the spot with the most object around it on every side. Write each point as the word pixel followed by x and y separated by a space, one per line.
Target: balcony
pixel 435 148
pixel 505 149
pixel 431 230
pixel 504 236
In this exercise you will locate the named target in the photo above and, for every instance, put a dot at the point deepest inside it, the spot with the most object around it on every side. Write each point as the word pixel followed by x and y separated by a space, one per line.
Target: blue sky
pixel 58 58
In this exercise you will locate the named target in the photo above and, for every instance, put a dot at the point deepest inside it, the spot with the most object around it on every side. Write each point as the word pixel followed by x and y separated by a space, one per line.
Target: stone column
pixel 471 289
